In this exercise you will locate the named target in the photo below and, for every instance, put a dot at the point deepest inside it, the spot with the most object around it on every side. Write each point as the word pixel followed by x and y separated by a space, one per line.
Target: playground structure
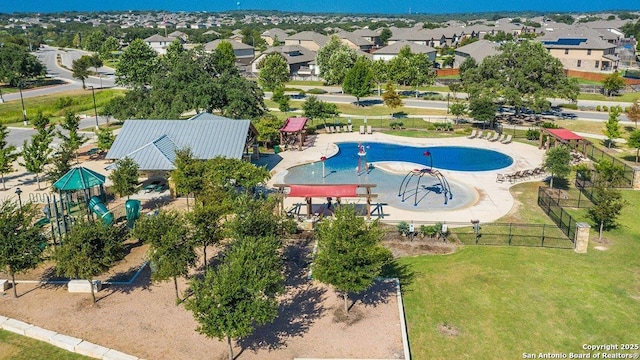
pixel 420 173
pixel 363 167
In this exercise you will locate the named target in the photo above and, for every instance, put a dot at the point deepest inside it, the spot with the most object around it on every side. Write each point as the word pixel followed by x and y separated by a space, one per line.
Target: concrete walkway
pixel 493 199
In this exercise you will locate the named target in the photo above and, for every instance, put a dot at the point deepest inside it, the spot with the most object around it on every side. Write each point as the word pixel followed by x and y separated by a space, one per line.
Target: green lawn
pixel 626 97
pixel 16 347
pixel 509 300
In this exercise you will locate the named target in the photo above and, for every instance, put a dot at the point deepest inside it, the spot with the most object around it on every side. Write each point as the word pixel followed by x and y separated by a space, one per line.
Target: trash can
pixel 276 149
pixel 132 209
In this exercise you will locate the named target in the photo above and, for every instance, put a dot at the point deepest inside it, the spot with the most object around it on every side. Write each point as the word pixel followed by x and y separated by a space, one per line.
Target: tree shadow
pixel 630 158
pixel 379 293
pixel 369 102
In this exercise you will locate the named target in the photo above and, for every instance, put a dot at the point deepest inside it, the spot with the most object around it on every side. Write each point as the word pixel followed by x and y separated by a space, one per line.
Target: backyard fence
pixel 503 234
pixel 597 155
pixel 566 223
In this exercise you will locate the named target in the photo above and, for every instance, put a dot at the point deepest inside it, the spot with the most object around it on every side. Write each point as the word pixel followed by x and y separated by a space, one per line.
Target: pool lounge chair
pixel 494 137
pixel 502 136
pixel 328 129
pixel 473 134
pixel 362 129
pixel 334 130
pixel 488 136
pixel 507 140
pixel 479 136
pixel 369 130
pixel 350 128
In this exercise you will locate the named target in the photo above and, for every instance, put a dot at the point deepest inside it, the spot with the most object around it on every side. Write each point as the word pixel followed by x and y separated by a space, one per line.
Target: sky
pixel 319 6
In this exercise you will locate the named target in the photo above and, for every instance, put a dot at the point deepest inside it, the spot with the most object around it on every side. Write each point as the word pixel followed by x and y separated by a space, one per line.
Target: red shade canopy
pixel 323 190
pixel 293 125
pixel 564 134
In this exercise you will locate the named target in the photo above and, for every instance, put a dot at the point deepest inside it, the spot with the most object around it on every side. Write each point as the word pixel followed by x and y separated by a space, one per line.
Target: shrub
pixel 605 108
pixel 583 171
pixel 598 108
pixel 431 230
pixel 432 96
pixel 63 102
pixel 403 228
pixel 549 125
pixel 569 106
pixel 396 124
pixel 533 134
pixel 316 91
pixel 289 226
pixel 311 130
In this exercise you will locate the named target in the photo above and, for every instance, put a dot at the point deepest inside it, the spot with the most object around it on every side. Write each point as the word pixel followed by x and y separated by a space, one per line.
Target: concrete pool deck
pixel 493 199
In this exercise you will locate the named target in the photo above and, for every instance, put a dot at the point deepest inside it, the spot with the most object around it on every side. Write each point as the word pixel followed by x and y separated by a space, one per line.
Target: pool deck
pixel 493 199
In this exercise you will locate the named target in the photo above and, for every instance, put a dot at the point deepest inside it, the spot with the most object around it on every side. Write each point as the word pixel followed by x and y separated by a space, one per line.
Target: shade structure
pixel 564 134
pixel 79 178
pixel 293 125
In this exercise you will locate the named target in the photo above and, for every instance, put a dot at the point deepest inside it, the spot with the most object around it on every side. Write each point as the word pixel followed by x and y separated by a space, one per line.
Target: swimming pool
pixel 457 158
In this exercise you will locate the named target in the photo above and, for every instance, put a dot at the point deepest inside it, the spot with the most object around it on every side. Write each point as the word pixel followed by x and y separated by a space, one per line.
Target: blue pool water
pixel 456 158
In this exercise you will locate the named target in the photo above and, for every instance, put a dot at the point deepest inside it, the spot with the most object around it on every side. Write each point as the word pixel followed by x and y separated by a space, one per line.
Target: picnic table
pixel 93 152
pixel 157 186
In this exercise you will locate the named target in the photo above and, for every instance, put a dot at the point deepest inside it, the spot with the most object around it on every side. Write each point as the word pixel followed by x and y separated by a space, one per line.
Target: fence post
pixel 581 241
pixel 544 226
pixel 510 233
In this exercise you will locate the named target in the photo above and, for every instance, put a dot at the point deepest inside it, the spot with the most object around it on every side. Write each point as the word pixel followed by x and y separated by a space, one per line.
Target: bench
pixel 93 152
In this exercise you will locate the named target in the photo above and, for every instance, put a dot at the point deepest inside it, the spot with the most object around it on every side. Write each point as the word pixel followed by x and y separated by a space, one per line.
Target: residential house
pixel 309 39
pixel 302 61
pixel 244 53
pixel 391 51
pixel 159 43
pixel 371 36
pixel 580 48
pixel 270 36
pixel 477 50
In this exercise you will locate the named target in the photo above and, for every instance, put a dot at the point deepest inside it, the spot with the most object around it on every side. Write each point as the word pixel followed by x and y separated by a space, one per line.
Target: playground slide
pixel 98 207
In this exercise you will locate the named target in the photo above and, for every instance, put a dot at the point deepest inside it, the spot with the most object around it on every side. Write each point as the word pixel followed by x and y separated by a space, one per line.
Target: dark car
pixel 566 115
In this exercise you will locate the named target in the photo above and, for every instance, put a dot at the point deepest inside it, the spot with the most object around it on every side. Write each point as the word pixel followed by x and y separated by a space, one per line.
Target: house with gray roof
pixel 477 50
pixel 244 53
pixel 159 43
pixel 389 52
pixel 271 35
pixel 152 144
pixel 581 48
pixel 309 39
pixel 302 61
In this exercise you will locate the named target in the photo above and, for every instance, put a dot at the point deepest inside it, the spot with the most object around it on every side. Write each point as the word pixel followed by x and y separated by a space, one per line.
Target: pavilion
pixel 293 131
pixel 337 191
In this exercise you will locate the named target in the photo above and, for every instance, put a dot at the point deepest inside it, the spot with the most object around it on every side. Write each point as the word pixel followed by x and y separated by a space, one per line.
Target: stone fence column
pixel 582 237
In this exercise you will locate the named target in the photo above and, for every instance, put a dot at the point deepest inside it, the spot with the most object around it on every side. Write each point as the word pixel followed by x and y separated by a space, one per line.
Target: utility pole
pixel 24 111
pixel 95 108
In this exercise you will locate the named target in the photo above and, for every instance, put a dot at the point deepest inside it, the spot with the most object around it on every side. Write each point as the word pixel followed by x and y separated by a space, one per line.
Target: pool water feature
pixel 345 167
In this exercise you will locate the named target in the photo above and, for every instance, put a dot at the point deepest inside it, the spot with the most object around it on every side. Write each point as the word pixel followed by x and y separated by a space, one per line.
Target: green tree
pixel 483 108
pixel 172 251
pixel 318 109
pixel 607 200
pixel 94 41
pixel 80 69
pixel 324 55
pixel 137 66
pixel 188 176
pixel 633 142
pixel 125 177
pixel 224 59
pixel 110 45
pixel 385 35
pixel 8 154
pixel 17 64
pixel 612 126
pixel 21 243
pixel 390 97
pixel 613 83
pixel 206 220
pixel 633 112
pixel 241 294
pixel 557 161
pixel 105 138
pixel 95 62
pixel 282 100
pixel 359 79
pixel 268 127
pixel 340 62
pixel 422 69
pixel 273 71
pixel 458 109
pixel 72 140
pixel 60 162
pixel 350 255
pixel 380 73
pixel 35 155
pixel 88 250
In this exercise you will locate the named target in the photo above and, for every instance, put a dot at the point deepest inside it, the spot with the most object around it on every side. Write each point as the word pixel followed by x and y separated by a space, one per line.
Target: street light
pixel 95 109
pixel 24 112
pixel 18 192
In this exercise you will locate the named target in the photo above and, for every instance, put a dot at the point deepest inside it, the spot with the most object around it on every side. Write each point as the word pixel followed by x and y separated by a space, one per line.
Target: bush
pixel 605 108
pixel 569 106
pixel 396 125
pixel 443 125
pixel 316 91
pixel 311 130
pixel 63 102
pixel 549 125
pixel 432 96
pixel 289 226
pixel 533 134
pixel 583 171
pixel 598 108
pixel 431 230
pixel 403 228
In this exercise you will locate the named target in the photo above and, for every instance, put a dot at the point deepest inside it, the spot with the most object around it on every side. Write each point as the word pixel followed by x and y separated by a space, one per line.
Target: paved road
pixel 18 135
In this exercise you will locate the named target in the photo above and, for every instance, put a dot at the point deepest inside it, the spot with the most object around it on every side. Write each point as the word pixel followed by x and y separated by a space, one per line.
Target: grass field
pixel 505 301
pixel 16 347
pixel 626 97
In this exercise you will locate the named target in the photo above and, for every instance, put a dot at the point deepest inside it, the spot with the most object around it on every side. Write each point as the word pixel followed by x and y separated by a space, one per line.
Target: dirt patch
pixel 401 246
pixel 601 248
pixel 448 330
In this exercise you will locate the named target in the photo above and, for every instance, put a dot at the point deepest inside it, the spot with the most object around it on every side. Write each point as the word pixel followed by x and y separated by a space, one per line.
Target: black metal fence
pixel 568 199
pixel 566 223
pixel 503 234
pixel 597 155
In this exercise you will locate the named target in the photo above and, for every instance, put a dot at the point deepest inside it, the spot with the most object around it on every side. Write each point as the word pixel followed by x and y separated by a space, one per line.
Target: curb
pixel 71 344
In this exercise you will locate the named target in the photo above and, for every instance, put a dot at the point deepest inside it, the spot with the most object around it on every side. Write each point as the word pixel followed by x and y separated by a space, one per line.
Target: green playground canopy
pixel 79 178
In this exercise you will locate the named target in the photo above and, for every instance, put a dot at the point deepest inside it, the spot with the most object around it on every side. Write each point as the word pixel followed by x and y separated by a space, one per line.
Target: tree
pixel 61 161
pixel 73 141
pixel 557 161
pixel 340 62
pixel 94 41
pixel 88 250
pixel 80 69
pixel 273 71
pixel 35 155
pixel 125 177
pixel 483 108
pixel 607 200
pixel 172 252
pixel 613 83
pixel 282 99
pixel 8 154
pixel 385 35
pixel 612 126
pixel 458 109
pixel 21 243
pixel 268 127
pixel 318 109
pixel 137 66
pixel 359 79
pixel 390 97
pixel 110 45
pixel 422 69
pixel 105 138
pixel 633 142
pixel 350 255
pixel 224 59
pixel 17 64
pixel 633 112
pixel 324 55
pixel 207 225
pixel 380 73
pixel 189 173
pixel 95 62
pixel 241 294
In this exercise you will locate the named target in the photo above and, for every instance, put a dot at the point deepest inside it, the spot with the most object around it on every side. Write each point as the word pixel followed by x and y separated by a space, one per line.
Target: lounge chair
pixel 334 130
pixel 350 128
pixel 494 137
pixel 500 178
pixel 507 140
pixel 488 136
pixel 479 136
pixel 361 129
pixel 473 134
pixel 345 129
pixel 502 136
pixel 369 130
pixel 328 129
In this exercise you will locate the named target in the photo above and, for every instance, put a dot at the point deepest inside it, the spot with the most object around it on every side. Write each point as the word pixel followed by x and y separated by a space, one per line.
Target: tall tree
pixel 35 155
pixel 138 63
pixel 613 83
pixel 8 154
pixel 633 142
pixel 80 69
pixel 189 173
pixel 422 69
pixel 359 79
pixel 607 199
pixel 612 126
pixel 88 250
pixel 61 162
pixel 273 71
pixel 110 45
pixel 172 252
pixel 223 59
pixel 557 161
pixel 21 242
pixel 125 177
pixel 105 138
pixel 17 64
pixel 241 293
pixel 340 62
pixel 458 109
pixel 483 108
pixel 324 55
pixel 390 97
pixel 633 112
pixel 350 255
pixel 318 109
pixel 268 127
pixel 93 41
pixel 207 225
pixel 380 73
pixel 72 139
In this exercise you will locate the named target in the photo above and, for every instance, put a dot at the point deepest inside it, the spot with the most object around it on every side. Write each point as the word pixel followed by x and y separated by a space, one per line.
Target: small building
pixel 159 43
pixel 244 53
pixel 309 39
pixel 300 59
pixel 477 50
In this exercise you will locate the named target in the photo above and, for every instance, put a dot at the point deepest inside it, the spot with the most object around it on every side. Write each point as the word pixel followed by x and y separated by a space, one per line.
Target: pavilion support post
pixel 540 139
pixel 309 207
